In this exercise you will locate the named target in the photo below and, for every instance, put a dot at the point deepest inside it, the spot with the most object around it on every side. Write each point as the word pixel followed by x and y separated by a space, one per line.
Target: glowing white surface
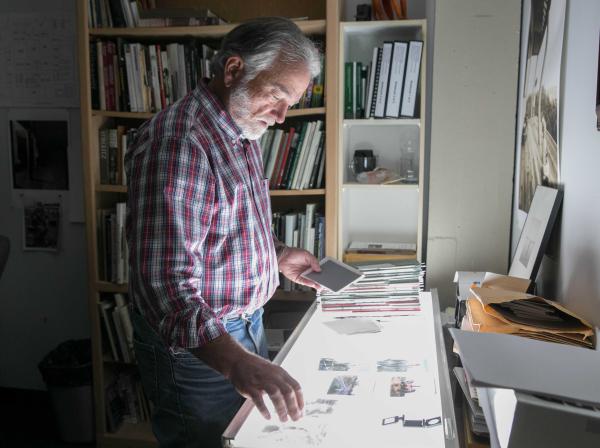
pixel 356 420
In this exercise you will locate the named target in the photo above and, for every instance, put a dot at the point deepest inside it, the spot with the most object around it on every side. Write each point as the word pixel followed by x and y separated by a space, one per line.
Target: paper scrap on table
pixel 354 326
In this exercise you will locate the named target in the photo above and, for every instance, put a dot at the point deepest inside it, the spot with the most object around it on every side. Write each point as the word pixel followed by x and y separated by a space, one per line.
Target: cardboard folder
pixel 490 309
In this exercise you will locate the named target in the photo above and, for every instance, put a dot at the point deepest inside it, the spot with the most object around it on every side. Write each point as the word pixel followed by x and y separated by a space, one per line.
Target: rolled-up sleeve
pixel 171 207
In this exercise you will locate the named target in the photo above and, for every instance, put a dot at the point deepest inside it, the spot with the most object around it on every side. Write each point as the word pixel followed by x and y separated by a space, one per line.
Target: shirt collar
pixel 212 104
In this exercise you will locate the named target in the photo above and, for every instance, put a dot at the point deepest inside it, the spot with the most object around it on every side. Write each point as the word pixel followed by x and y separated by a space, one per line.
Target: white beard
pixel 239 102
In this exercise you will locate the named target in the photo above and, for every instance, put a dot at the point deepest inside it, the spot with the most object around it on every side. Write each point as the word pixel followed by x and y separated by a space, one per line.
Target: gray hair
pixel 263 41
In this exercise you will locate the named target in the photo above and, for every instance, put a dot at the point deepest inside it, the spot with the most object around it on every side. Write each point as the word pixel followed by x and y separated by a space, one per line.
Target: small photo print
pixel 330 364
pixel 344 385
pixel 41 227
pixel 321 406
pixel 400 386
pixel 394 365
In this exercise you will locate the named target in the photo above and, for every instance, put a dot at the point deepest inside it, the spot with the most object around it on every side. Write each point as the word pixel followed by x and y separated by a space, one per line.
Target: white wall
pixel 43 296
pixel 474 91
pixel 574 276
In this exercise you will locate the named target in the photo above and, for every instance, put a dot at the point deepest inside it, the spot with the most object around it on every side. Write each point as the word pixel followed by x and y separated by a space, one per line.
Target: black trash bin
pixel 67 372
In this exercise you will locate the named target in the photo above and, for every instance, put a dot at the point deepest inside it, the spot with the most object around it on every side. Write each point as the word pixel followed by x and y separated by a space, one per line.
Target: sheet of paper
pixel 37 56
pixel 353 325
pixel 513 362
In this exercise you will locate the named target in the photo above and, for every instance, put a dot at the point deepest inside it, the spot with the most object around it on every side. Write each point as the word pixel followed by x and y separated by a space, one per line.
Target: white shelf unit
pixel 382 213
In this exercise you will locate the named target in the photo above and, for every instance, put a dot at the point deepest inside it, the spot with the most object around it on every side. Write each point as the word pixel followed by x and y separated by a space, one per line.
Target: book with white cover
pixel 394 97
pixel 411 79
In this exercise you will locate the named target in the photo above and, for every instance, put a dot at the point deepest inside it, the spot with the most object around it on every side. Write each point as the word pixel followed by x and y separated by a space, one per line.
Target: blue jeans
pixel 192 403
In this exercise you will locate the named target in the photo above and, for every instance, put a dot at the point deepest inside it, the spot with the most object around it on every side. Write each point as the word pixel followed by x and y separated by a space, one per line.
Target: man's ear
pixel 233 70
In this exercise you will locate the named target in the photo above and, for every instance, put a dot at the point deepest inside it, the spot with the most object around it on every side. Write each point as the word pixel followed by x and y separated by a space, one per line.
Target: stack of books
pixel 361 251
pixel 386 87
pixel 384 288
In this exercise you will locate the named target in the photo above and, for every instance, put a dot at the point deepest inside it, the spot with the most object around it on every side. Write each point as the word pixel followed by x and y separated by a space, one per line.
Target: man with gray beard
pixel 203 259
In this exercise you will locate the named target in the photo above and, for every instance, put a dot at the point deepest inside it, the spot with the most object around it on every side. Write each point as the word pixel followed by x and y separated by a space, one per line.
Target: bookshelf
pixel 323 19
pixel 361 215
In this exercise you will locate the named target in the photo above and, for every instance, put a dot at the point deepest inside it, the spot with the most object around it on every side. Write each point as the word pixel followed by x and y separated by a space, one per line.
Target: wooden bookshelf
pixel 310 27
pixel 146 115
pixel 101 188
pixel 324 24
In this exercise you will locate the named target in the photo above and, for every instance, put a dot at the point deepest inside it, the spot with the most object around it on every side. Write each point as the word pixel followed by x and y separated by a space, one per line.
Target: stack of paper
pixel 500 305
pixel 384 288
pixel 474 410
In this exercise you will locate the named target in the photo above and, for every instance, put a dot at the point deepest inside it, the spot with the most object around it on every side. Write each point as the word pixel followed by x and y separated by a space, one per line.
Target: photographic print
pixel 41 227
pixel 394 365
pixel 539 102
pixel 343 385
pixel 330 364
pixel 39 151
pixel 400 386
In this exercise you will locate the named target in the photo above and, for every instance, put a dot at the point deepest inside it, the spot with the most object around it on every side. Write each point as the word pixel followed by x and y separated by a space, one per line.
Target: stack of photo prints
pixel 385 287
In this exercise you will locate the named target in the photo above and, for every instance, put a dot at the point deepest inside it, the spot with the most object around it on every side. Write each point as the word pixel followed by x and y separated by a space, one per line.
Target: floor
pixel 27 421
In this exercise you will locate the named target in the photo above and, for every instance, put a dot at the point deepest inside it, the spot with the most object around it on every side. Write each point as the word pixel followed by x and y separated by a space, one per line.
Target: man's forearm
pixel 221 354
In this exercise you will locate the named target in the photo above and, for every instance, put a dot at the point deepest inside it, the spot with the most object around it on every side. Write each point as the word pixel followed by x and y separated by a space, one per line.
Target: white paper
pixel 37 56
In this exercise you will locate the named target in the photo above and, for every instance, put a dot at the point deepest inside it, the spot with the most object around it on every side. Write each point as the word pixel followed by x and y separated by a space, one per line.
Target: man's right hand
pixel 253 376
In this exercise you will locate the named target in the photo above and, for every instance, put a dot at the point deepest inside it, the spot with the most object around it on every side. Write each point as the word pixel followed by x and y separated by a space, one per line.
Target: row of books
pixel 144 13
pixel 125 400
pixel 313 96
pixel 304 229
pixel 112 144
pixel 294 159
pixel 136 77
pixel 387 87
pixel 113 255
pixel 117 329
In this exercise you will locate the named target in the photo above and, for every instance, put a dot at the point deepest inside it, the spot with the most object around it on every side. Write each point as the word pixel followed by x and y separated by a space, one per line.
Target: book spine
pixel 384 75
pixel 375 81
pixel 103 137
pixel 392 109
pixel 348 89
pixel 411 82
pixel 94 88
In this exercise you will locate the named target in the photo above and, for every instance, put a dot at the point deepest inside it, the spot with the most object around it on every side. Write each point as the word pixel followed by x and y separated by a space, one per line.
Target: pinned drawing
pixel 400 386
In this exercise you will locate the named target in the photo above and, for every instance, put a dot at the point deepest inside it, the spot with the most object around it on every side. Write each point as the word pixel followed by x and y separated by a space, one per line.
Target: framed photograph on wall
pixel 537 146
pixel 539 154
pixel 536 232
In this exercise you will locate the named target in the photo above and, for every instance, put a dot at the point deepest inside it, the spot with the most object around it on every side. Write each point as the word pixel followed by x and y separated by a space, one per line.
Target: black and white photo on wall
pixel 39 154
pixel 41 226
pixel 538 151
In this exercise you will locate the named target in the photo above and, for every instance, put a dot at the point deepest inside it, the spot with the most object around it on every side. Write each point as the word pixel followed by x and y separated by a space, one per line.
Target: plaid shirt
pixel 198 222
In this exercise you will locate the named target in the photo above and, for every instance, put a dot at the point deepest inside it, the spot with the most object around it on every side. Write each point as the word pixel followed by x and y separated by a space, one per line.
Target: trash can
pixel 67 372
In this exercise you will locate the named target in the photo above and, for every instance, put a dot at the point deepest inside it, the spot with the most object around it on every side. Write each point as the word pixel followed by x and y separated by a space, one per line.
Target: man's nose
pixel 279 111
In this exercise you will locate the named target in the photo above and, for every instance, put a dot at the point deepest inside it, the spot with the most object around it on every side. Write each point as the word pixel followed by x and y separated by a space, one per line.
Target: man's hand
pixel 293 262
pixel 252 376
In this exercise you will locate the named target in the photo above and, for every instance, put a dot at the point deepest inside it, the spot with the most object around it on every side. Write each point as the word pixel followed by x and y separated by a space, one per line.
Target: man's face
pixel 264 101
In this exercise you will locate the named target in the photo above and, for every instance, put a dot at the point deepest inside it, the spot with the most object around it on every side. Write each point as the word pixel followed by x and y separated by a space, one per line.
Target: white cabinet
pixel 381 212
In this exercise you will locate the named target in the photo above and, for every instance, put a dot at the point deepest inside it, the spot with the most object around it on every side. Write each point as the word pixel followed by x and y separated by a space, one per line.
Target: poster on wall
pixel 538 150
pixel 41 224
